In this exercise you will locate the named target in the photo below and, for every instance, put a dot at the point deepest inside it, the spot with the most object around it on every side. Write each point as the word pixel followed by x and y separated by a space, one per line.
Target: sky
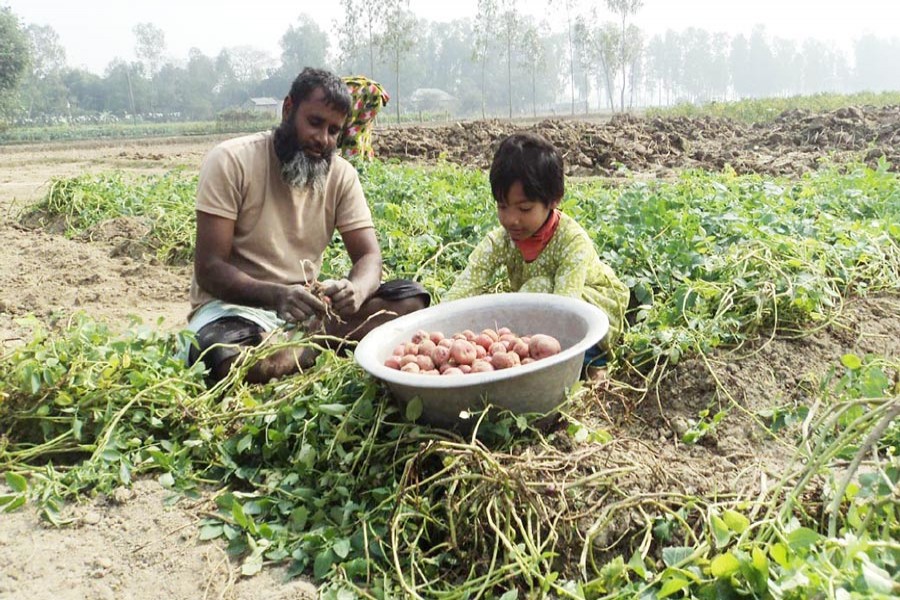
pixel 94 32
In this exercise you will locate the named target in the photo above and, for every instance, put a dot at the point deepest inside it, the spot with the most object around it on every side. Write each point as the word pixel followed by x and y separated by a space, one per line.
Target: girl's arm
pixel 475 279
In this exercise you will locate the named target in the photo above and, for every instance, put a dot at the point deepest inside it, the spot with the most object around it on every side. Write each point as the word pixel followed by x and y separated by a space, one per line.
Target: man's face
pixel 306 140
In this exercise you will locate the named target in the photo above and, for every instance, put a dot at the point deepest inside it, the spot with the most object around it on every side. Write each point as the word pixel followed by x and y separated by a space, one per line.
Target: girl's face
pixel 521 216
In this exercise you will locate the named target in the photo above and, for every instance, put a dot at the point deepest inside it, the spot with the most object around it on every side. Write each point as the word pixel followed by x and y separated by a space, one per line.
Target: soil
pixel 141 544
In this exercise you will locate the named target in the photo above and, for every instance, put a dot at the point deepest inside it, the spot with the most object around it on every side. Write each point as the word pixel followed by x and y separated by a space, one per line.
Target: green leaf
pixel 342 547
pixel 512 594
pixel 414 409
pixel 674 555
pixel 166 480
pixel 252 564
pixel 878 580
pixel 16 482
pixel 335 410
pixel 779 553
pixel 636 564
pixel 735 521
pixel 11 502
pixel 721 531
pixel 851 361
pixel 299 517
pixel 672 586
pixel 802 538
pixel 211 531
pixel 237 513
pixel 322 564
pixel 724 565
pixel 244 443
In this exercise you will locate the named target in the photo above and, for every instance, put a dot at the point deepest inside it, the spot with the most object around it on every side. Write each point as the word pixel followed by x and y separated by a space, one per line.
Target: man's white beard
pixel 303 171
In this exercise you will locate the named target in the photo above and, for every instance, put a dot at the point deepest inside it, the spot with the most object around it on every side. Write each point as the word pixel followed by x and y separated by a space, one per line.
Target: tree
pixel 571 7
pixel 360 16
pixel 624 8
pixel 484 33
pixel 510 21
pixel 150 44
pixel 396 39
pixel 305 45
pixel 534 56
pixel 43 88
pixel 14 56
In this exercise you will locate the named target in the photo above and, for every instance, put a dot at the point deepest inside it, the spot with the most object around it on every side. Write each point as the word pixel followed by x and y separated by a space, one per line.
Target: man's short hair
pixel 533 160
pixel 336 93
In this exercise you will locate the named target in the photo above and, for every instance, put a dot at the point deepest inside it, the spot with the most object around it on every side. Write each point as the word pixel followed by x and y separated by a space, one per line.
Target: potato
pixel 440 355
pixel 465 369
pixel 482 366
pixel 463 352
pixel 431 372
pixel 399 350
pixel 393 362
pixel 451 371
pixel 520 348
pixel 436 336
pixel 503 331
pixel 491 334
pixel 425 363
pixel 480 352
pixel 408 358
pixel 484 340
pixel 527 361
pixel 411 348
pixel 469 334
pixel 420 335
pixel 497 348
pixel 426 347
pixel 505 360
pixel 410 368
pixel 445 342
pixel 542 346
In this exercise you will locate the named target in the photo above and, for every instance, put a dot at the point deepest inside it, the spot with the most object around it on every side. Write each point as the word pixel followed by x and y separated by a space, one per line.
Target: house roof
pixel 265 101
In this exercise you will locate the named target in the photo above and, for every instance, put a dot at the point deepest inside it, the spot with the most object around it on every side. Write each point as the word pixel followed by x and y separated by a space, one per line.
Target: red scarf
pixel 532 247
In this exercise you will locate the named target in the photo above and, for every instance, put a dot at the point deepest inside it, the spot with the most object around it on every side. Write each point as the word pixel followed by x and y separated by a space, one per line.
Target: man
pixel 267 207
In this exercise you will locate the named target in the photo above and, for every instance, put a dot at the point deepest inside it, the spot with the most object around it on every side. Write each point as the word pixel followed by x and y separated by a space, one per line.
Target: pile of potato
pixel 431 353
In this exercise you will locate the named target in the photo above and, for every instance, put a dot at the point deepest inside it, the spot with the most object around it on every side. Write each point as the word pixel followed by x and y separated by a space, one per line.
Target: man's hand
pixel 296 303
pixel 346 298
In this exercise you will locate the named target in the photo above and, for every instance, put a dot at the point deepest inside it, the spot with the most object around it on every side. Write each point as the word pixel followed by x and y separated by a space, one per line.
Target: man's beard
pixel 299 169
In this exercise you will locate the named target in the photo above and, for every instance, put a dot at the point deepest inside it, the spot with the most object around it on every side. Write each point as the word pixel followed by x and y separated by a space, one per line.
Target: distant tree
pixel 762 63
pixel 624 8
pixel 14 57
pixel 150 45
pixel 199 85
pixel 485 28
pixel 602 47
pixel 510 23
pixel 43 89
pixel 741 67
pixel 305 45
pixel 396 39
pixel 571 7
pixel 534 56
pixel 876 64
pixel 785 67
pixel 359 31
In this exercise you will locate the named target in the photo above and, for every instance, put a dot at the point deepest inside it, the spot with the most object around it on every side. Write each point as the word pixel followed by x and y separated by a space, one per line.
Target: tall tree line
pixel 500 63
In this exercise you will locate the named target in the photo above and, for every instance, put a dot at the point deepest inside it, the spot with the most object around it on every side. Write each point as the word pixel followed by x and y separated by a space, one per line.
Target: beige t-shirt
pixel 280 232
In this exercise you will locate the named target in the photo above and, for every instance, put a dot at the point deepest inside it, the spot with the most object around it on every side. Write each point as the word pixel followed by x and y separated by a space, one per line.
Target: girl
pixel 542 249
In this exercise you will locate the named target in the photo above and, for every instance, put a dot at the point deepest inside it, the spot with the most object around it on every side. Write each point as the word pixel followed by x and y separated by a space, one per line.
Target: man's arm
pixel 224 281
pixel 348 295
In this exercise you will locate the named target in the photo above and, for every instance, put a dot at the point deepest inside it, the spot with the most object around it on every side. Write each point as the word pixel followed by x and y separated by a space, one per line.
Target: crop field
pixel 745 446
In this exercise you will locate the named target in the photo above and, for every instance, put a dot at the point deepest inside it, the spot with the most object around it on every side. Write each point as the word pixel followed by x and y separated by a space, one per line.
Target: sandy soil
pixel 140 544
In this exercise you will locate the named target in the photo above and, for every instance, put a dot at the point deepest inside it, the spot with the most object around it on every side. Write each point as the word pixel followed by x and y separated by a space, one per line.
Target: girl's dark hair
pixel 336 93
pixel 533 160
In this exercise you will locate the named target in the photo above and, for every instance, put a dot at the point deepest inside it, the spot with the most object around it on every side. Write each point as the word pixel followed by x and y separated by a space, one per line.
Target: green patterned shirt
pixel 568 266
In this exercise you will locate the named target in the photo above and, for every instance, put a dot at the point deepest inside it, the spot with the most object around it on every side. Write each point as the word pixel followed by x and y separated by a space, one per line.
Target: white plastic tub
pixel 538 387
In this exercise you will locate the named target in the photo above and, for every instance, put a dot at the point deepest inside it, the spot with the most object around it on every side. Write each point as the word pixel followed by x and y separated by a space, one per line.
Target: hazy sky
pixel 94 32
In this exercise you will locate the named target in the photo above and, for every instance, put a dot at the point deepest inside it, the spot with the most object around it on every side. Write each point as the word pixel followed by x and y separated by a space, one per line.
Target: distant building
pixel 264 105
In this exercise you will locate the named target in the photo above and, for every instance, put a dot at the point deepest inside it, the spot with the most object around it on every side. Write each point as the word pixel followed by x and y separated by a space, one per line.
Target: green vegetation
pixel 761 110
pixel 321 471
pixel 53 133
